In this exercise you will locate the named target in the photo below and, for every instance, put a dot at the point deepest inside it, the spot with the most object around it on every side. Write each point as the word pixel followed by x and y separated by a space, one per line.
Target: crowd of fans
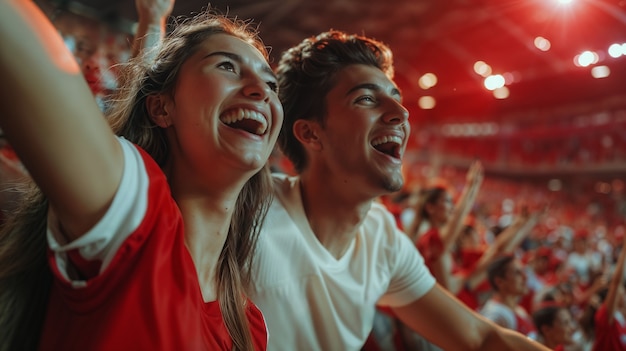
pixel 537 261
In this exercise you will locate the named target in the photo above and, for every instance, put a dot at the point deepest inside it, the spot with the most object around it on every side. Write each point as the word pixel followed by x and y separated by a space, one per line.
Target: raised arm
pixel 452 229
pixel 520 229
pixel 446 322
pixel 442 267
pixel 51 119
pixel 505 243
pixel 153 16
pixel 616 281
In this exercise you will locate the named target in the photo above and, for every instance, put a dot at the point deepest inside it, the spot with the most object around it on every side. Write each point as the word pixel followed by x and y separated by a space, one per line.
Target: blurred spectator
pixel 445 221
pixel 508 281
pixel 556 328
pixel 97 47
pixel 583 260
pixel 609 320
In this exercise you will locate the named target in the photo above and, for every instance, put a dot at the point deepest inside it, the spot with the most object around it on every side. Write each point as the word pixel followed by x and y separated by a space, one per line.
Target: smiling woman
pixel 145 215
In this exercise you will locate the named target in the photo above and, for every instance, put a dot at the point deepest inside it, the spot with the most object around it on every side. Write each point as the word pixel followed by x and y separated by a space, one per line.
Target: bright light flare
pixel 616 50
pixel 600 72
pixel 586 58
pixel 427 81
pixel 501 93
pixel 494 82
pixel 482 69
pixel 427 102
pixel 542 43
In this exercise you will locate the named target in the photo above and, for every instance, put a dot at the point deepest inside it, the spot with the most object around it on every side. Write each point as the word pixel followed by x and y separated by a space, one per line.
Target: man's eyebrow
pixel 237 58
pixel 375 87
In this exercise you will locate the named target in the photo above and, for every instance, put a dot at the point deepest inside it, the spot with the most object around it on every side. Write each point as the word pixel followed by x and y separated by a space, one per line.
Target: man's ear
pixel 307 133
pixel 157 106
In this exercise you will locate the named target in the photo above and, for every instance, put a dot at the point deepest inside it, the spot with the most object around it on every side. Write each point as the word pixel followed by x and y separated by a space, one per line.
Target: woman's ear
pixel 308 134
pixel 157 106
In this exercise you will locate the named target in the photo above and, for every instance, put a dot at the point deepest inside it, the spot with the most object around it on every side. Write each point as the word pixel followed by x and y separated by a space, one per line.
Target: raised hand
pixel 154 11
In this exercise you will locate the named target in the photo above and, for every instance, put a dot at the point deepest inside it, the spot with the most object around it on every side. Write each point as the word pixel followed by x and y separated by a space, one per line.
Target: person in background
pixel 445 222
pixel 584 260
pixel 85 38
pixel 96 48
pixel 556 327
pixel 471 285
pixel 507 278
pixel 609 320
pixel 476 259
pixel 149 243
pixel 99 48
pixel 328 249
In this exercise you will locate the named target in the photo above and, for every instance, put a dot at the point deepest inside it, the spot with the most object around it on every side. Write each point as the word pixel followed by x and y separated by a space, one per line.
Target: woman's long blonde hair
pixel 25 278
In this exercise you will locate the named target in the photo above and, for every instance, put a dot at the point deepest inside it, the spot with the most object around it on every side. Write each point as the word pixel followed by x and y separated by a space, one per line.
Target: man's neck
pixel 333 214
pixel 511 301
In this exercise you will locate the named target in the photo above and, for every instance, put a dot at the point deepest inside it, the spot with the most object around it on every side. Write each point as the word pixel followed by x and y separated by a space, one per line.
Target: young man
pixel 507 278
pixel 328 253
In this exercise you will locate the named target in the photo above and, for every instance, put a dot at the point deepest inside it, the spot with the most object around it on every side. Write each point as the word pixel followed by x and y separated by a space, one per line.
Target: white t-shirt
pixel 313 301
pixel 499 313
pixel 584 264
pixel 504 316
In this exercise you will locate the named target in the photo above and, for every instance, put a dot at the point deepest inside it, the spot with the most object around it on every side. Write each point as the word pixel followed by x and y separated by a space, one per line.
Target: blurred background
pixel 535 89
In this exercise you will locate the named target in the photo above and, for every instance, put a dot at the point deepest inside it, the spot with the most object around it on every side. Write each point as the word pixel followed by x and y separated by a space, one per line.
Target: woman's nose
pixel 257 88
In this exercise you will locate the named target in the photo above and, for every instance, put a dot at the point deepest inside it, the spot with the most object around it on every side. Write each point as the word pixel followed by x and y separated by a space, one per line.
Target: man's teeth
pixel 387 139
pixel 241 114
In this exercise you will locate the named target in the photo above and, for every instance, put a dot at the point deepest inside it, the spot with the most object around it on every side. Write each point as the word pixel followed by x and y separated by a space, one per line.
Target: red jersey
pixel 468 258
pixel 608 337
pixel 147 298
pixel 469 298
pixel 430 246
pixel 525 324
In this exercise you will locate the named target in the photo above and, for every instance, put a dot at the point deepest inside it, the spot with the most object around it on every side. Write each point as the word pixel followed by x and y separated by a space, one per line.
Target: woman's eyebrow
pixel 237 58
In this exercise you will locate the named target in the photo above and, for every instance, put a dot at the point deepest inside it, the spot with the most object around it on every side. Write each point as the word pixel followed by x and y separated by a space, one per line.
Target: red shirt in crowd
pixel 608 336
